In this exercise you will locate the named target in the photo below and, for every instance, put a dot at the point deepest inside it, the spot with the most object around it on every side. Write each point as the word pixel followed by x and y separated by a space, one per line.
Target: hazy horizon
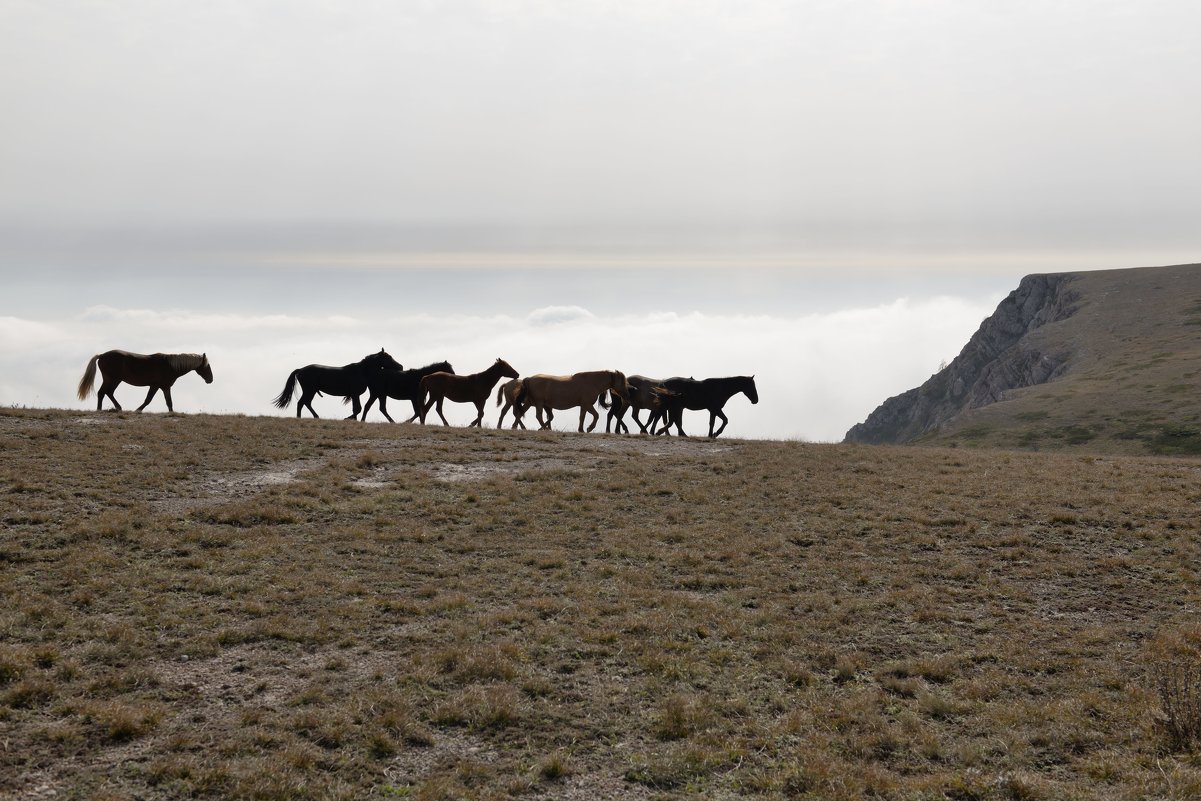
pixel 829 195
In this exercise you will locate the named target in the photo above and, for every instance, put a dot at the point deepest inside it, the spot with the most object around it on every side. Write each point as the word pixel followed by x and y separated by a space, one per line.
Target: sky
pixel 829 195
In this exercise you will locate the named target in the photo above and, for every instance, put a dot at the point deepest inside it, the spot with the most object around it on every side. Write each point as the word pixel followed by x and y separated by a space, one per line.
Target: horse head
pixel 750 390
pixel 381 361
pixel 620 386
pixel 205 370
pixel 506 369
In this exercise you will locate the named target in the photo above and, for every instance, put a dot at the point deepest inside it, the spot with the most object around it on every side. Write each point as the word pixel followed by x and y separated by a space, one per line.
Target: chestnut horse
pixel 545 393
pixel 474 388
pixel 506 393
pixel 157 371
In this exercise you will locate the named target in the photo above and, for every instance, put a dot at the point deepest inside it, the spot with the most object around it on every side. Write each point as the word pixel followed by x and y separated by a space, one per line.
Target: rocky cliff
pixel 1005 354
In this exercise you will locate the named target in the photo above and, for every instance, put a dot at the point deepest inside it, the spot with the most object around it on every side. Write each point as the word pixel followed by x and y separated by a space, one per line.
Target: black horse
pixel 400 385
pixel 710 394
pixel 349 381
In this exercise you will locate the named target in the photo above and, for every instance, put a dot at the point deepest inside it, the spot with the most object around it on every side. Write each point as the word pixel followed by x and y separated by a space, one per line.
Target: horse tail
pixel 500 394
pixel 523 395
pixel 284 398
pixel 89 377
pixel 601 400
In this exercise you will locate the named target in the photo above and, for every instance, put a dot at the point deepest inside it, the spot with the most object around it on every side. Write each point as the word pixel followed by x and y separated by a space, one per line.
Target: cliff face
pixel 1001 356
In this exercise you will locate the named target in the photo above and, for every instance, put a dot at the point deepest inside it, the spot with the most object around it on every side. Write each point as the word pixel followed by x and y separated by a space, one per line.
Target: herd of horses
pixel 429 387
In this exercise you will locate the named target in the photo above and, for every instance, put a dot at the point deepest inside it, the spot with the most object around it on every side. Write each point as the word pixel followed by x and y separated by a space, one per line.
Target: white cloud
pixel 554 315
pixel 817 374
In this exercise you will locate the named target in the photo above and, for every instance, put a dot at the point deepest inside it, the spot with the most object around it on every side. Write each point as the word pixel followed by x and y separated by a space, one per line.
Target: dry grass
pixel 1133 378
pixel 226 607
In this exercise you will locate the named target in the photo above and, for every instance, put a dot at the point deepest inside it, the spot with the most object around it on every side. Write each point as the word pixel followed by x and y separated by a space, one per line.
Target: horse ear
pixel 204 358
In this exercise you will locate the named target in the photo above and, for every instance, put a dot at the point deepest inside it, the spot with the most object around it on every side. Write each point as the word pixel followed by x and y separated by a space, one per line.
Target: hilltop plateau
pixel 268 608
pixel 1104 362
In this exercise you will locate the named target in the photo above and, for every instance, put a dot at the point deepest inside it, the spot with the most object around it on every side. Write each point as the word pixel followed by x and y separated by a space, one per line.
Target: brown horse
pixel 506 393
pixel 157 371
pixel 548 392
pixel 474 388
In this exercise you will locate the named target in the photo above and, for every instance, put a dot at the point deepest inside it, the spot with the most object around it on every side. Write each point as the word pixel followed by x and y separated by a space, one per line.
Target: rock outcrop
pixel 1001 356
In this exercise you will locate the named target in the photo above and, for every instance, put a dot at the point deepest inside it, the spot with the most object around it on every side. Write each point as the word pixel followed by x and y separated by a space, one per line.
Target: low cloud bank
pixel 817 374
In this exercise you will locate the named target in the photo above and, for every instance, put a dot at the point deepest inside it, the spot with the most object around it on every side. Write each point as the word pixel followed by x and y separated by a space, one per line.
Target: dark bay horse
pixel 709 394
pixel 474 388
pixel 349 381
pixel 545 393
pixel 157 371
pixel 507 394
pixel 400 385
pixel 642 396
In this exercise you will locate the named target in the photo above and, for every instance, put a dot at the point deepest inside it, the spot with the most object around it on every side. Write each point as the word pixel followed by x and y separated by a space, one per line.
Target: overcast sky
pixel 626 159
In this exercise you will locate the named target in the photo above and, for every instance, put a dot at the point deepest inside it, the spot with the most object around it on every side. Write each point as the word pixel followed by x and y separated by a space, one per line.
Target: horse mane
pixel 184 361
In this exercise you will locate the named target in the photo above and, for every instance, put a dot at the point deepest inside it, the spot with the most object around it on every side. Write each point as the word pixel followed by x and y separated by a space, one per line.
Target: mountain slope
pixel 1107 361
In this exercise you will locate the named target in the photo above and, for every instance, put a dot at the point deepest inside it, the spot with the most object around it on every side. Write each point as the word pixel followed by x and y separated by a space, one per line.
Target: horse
pixel 710 394
pixel 474 388
pixel 642 396
pixel 400 385
pixel 507 393
pixel 349 381
pixel 157 371
pixel 545 393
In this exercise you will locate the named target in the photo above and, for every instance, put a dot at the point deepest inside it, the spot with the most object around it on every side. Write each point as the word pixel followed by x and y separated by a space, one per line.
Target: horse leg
pixel 595 418
pixel 641 427
pixel 445 422
pixel 718 413
pixel 167 397
pixel 358 407
pixel 550 415
pixel 416 410
pixel 678 415
pixel 478 422
pixel 107 388
pixel 383 407
pixel 500 421
pixel 149 396
pixel 306 399
pixel 582 413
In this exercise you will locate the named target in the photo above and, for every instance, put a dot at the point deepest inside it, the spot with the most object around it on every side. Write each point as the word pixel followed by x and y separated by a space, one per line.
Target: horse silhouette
pixel 545 393
pixel 156 370
pixel 643 395
pixel 348 381
pixel 709 394
pixel 474 388
pixel 507 393
pixel 400 385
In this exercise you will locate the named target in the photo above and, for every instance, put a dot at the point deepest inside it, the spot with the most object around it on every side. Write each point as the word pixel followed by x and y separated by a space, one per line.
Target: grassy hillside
pixel 264 608
pixel 1134 383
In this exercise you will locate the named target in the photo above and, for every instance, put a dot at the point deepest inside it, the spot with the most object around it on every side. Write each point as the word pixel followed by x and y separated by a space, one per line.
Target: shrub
pixel 1178 684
